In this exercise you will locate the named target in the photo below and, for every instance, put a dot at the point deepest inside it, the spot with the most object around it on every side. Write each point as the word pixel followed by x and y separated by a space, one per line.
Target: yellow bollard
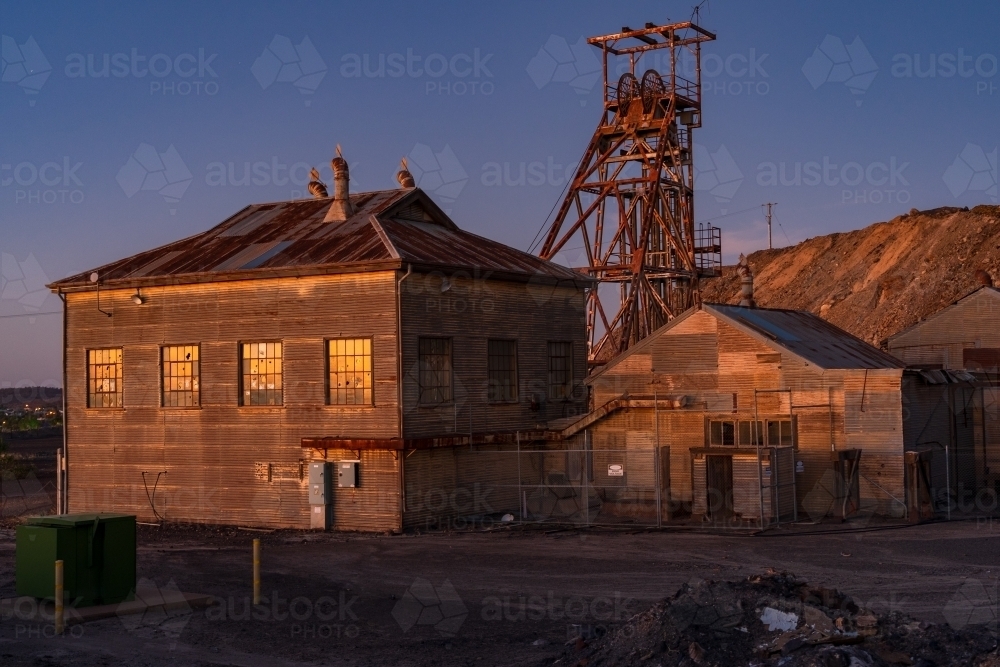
pixel 256 571
pixel 58 617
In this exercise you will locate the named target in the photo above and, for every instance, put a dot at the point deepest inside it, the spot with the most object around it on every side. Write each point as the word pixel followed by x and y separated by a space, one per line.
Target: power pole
pixel 770 245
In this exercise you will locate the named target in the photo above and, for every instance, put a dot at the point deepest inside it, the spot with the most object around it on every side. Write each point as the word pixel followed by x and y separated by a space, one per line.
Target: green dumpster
pixel 98 554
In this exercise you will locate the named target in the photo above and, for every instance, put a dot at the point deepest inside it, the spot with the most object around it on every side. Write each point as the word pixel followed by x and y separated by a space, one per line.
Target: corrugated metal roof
pixel 938 376
pixel 388 227
pixel 807 336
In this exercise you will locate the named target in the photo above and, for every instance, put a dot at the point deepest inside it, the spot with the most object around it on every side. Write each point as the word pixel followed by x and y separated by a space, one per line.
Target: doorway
pixel 719 487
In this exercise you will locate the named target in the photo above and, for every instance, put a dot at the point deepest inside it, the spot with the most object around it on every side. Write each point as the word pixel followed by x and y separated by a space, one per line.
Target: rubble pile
pixel 778 620
pixel 876 281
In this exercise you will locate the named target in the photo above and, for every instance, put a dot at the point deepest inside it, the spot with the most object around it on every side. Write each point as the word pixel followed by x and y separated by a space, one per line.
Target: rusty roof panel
pixel 808 336
pixel 292 235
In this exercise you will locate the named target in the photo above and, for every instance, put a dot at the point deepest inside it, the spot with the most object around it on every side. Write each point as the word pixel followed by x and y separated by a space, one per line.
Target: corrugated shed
pixel 389 228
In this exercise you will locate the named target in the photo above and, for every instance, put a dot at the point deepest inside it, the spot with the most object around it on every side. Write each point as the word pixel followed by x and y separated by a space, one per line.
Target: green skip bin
pixel 98 554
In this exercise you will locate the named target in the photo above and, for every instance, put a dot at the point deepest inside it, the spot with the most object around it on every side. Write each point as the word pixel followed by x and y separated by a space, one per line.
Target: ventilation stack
pixel 341 208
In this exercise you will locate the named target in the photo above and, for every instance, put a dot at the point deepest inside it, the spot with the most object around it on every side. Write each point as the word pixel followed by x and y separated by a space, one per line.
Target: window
pixel 560 371
pixel 350 365
pixel 502 371
pixel 104 378
pixel 722 433
pixel 779 433
pixel 180 376
pixel 735 433
pixel 261 374
pixel 435 370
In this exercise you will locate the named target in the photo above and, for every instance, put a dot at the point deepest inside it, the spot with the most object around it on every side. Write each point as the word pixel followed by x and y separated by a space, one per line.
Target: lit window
pixel 104 378
pixel 180 376
pixel 350 362
pixel 435 370
pixel 560 370
pixel 502 371
pixel 261 376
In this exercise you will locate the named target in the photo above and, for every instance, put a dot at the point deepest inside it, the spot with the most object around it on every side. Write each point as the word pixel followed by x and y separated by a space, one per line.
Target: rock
pixel 696 652
pixel 817 620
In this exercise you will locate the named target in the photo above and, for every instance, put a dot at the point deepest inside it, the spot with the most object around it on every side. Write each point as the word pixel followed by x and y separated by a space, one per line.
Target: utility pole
pixel 770 245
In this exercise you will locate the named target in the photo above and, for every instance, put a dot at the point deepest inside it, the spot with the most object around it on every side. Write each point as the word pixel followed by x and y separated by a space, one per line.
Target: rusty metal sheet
pixel 808 336
pixel 267 238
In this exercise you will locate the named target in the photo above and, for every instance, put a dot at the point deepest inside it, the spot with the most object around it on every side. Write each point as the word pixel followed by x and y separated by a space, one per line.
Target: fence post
pixel 58 620
pixel 256 571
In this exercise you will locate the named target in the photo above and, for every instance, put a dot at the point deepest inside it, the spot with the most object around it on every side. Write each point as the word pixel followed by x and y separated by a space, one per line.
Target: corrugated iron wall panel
pixel 470 312
pixel 209 454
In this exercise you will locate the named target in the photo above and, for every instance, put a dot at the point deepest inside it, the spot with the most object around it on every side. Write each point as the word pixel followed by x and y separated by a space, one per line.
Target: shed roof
pixel 389 229
pixel 808 336
pixel 803 334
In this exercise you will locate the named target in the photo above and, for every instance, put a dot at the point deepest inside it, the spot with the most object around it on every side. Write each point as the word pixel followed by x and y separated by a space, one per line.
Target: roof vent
pixel 404 176
pixel 746 282
pixel 341 208
pixel 316 186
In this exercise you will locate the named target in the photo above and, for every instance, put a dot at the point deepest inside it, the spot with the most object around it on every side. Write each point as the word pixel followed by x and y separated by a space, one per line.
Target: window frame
pixel 163 389
pixel 569 370
pixel 243 376
pixel 495 393
pixel 119 379
pixel 715 435
pixel 421 388
pixel 329 371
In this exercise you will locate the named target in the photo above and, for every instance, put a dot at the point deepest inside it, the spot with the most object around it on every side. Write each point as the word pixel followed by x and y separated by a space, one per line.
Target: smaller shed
pixel 952 414
pixel 759 412
pixel 962 336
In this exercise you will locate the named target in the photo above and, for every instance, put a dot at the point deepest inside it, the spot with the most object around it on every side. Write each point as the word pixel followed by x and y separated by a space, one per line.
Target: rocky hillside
pixel 878 280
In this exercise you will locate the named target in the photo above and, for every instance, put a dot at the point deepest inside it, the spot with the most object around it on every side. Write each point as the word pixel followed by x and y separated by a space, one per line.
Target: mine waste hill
pixel 876 281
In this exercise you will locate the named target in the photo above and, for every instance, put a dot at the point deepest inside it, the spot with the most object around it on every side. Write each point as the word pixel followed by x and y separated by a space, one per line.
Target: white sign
pixel 616 470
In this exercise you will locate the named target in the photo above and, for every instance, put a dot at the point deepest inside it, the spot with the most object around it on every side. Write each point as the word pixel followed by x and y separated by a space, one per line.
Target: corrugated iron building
pixel 953 414
pixel 202 377
pixel 720 381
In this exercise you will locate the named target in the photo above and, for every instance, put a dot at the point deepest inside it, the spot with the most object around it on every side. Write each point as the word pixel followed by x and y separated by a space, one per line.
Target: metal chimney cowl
pixel 341 208
pixel 746 283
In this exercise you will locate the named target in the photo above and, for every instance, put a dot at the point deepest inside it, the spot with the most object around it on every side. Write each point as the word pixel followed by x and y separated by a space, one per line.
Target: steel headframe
pixel 631 202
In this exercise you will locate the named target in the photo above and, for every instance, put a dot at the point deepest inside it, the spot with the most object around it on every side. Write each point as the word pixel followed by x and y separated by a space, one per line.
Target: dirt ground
pixel 510 597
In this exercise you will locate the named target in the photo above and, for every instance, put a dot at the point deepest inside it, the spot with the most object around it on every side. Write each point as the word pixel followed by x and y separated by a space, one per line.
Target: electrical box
pixel 320 483
pixel 98 554
pixel 347 474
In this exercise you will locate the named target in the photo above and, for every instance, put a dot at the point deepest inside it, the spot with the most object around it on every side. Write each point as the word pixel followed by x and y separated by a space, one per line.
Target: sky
pixel 129 126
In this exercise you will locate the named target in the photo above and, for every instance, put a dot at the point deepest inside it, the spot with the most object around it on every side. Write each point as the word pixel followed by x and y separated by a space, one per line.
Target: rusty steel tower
pixel 630 204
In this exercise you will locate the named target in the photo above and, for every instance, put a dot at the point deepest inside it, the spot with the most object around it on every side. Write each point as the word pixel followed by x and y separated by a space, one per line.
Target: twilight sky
pixel 126 127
